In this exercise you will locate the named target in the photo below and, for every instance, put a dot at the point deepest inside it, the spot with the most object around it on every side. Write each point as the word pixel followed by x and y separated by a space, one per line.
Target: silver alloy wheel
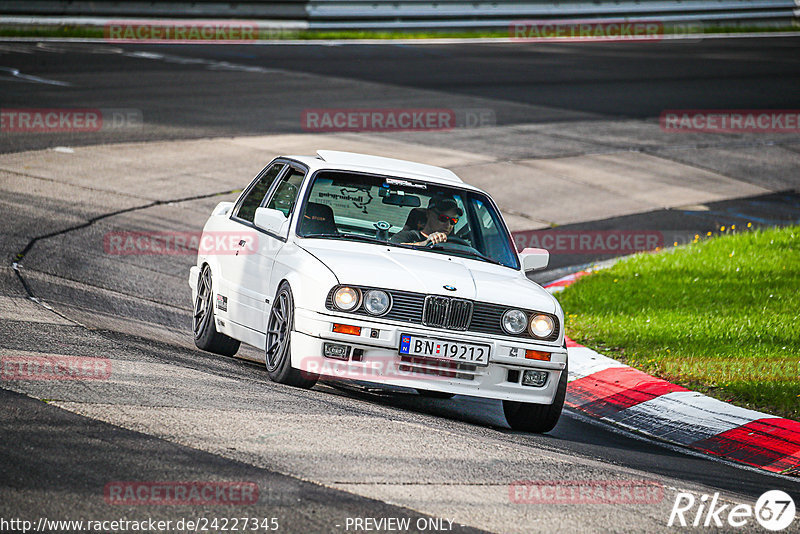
pixel 203 303
pixel 278 331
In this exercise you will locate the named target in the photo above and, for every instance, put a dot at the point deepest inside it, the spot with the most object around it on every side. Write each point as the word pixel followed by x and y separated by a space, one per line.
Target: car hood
pixel 365 264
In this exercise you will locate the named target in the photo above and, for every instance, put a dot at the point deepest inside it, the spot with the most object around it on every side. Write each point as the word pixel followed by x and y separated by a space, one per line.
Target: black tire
pixel 204 327
pixel 538 418
pixel 278 350
pixel 435 394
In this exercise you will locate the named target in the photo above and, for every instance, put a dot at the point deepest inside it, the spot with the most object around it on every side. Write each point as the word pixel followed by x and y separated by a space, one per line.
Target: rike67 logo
pixel 774 510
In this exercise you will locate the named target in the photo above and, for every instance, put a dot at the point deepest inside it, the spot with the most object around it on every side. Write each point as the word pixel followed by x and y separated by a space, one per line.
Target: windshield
pixel 406 213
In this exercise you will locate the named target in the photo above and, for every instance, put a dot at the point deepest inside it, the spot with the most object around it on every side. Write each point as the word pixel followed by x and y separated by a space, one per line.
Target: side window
pixel 247 210
pixel 494 240
pixel 286 194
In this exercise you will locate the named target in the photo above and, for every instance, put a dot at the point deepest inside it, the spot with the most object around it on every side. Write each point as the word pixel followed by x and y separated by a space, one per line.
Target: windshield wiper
pixel 473 253
pixel 355 237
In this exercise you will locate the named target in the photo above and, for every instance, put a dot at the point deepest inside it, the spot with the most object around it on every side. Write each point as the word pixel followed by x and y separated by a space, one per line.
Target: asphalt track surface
pixel 56 457
pixel 202 90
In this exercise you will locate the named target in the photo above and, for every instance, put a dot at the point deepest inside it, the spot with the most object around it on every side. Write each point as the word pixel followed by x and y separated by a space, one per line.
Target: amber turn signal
pixel 352 330
pixel 537 355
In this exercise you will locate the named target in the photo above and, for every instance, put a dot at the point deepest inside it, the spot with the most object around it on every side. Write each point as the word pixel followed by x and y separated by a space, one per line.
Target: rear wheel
pixel 537 418
pixel 206 336
pixel 278 350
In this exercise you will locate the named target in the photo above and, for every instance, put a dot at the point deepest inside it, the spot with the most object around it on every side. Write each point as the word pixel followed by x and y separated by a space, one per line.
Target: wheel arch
pixel 309 278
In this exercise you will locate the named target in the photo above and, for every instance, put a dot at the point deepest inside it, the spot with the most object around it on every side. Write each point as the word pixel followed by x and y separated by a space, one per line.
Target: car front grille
pixel 438 311
pixel 446 312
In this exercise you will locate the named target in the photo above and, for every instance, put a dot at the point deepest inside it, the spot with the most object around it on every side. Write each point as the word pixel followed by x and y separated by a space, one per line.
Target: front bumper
pixel 374 357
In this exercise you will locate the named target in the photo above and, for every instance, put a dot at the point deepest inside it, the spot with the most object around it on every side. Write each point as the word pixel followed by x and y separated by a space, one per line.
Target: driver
pixel 442 216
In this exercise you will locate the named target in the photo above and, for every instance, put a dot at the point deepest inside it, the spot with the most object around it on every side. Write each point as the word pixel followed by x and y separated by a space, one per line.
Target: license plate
pixel 444 350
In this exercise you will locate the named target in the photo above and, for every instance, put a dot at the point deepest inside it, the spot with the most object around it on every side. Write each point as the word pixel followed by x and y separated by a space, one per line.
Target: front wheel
pixel 278 350
pixel 206 336
pixel 537 418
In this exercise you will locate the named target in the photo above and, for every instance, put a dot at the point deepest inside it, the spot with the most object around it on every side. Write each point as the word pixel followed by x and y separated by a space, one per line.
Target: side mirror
pixel 223 208
pixel 534 259
pixel 271 220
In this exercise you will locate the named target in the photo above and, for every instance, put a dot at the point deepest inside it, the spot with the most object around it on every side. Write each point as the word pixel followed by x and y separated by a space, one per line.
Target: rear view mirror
pixel 400 199
pixel 534 259
pixel 270 220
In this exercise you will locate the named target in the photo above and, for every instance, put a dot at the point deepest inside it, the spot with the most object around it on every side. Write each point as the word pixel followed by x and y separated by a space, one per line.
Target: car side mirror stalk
pixel 270 220
pixel 534 259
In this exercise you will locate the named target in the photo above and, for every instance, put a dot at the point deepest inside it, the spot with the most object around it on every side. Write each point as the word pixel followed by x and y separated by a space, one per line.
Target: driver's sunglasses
pixel 446 218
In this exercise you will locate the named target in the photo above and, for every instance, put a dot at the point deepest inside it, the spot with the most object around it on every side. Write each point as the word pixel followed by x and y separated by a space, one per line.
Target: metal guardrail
pixel 358 9
pixel 416 14
pixel 334 14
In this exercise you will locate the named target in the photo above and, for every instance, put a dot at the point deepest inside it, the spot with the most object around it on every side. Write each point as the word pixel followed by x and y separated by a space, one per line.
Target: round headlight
pixel 542 325
pixel 514 321
pixel 376 302
pixel 346 298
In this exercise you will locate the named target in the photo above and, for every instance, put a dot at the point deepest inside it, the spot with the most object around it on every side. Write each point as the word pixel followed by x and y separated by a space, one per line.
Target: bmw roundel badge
pixel 449 288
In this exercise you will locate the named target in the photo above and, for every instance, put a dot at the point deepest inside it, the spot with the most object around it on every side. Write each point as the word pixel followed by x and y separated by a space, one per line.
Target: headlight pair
pixel 539 325
pixel 376 301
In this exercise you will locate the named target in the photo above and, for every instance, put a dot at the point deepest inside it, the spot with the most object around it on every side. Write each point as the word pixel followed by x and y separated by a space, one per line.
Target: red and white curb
pixel 606 389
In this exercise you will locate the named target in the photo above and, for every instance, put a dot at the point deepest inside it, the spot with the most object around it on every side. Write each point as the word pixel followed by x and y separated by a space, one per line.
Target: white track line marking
pixel 29 78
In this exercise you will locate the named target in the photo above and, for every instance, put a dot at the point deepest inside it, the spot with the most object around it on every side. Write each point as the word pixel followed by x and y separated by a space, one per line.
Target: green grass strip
pixel 720 316
pixel 266 34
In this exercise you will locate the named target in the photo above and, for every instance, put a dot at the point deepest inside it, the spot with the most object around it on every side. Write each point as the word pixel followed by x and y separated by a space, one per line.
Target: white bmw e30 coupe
pixel 348 266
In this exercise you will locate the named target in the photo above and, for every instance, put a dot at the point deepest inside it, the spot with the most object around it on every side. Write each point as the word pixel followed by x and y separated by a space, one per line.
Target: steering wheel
pixel 457 240
pixel 451 240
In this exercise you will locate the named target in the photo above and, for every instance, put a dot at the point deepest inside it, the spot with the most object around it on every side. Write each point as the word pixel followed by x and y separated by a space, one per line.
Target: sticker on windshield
pixel 359 198
pixel 404 183
pixel 359 201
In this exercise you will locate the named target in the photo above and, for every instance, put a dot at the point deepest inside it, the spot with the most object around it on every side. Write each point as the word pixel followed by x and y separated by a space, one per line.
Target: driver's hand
pixel 437 237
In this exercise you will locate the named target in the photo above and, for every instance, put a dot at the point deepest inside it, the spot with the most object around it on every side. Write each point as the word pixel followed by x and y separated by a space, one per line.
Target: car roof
pixel 332 159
